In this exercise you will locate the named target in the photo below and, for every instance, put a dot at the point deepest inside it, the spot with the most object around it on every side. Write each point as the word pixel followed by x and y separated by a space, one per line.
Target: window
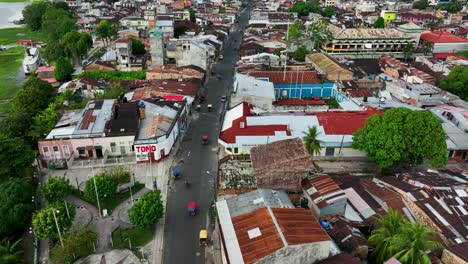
pixel 46 151
pixel 81 150
pixel 113 147
pixel 66 151
pixel 330 152
pixel 236 150
pixel 229 150
pixel 56 151
pixel 122 150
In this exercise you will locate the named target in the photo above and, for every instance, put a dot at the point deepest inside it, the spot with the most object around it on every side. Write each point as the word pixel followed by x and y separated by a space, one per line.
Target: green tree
pixel 311 142
pixel 452 7
pixel 412 243
pixel 147 210
pixel 55 189
pixel 221 10
pixel 408 51
pixel 43 122
pixel 33 13
pixel 333 103
pixel 426 48
pixel 328 11
pixel 304 8
pixel 390 225
pixel 420 4
pixel 16 125
pixel 76 45
pixel 53 51
pixel 300 53
pixel 320 33
pixel 77 243
pixel 138 48
pixel 379 23
pixel 62 5
pixel 105 31
pixel 63 69
pixel 10 253
pixel 456 82
pixel 179 31
pixel 114 92
pixel 16 157
pixel 397 237
pixel 33 96
pixel 106 187
pixel 278 51
pixel 15 206
pixel 43 222
pixel 56 22
pixel 192 13
pixel 295 30
pixel 402 136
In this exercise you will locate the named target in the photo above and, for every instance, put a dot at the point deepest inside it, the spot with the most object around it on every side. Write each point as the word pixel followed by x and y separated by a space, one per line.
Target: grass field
pixel 12 35
pixel 138 237
pixel 13 1
pixel 10 61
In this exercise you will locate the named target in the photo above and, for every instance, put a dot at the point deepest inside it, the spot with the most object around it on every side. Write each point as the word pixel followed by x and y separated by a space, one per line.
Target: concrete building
pixel 157 50
pixel 445 43
pixel 102 130
pixel 124 53
pixel 324 196
pixel 167 26
pixel 264 227
pixel 253 91
pixel 246 126
pixel 366 43
pixel 133 22
pixel 281 165
pixel 411 30
pixel 328 67
pixel 419 94
pixel 191 52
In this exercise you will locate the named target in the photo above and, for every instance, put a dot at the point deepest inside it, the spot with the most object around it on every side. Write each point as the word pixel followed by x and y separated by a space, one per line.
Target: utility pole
pixel 96 191
pixel 57 225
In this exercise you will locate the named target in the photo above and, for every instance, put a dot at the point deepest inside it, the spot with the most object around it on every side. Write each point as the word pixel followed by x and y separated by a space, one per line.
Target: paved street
pixel 199 163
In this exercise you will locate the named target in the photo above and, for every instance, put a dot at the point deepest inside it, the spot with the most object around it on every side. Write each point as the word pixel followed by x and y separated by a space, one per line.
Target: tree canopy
pixel 295 30
pixel 105 31
pixel 300 53
pixel 15 206
pixel 114 92
pixel 192 13
pixel 402 136
pixel 55 189
pixel 43 222
pixel 311 143
pixel 147 210
pixel 16 157
pixel 179 31
pixel 420 4
pixel 33 13
pixel 106 187
pixel 138 48
pixel 304 8
pixel 63 69
pixel 379 23
pixel 10 253
pixel 33 96
pixel 76 44
pixel 76 242
pixel 451 7
pixel 456 82
pixel 397 237
pixel 320 33
pixel 328 11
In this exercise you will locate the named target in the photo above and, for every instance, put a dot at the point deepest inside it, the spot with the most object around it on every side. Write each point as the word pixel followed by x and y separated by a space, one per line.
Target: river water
pixel 10 12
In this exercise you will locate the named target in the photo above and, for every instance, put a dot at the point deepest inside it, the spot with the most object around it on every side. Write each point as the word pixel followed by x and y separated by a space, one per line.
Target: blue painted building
pixel 299 84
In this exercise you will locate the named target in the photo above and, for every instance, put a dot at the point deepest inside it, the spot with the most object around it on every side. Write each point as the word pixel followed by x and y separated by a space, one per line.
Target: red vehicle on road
pixel 192 208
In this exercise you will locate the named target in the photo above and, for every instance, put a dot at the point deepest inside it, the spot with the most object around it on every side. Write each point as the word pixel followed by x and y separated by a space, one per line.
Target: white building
pixel 246 126
pixel 191 52
pixel 253 91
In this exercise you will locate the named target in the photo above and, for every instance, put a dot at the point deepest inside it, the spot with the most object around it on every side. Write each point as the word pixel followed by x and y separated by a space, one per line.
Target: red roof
pixel 25 41
pixel 442 37
pixel 325 188
pixel 122 41
pixel 296 102
pixel 344 122
pixel 442 55
pixel 229 135
pixel 279 77
pixel 176 98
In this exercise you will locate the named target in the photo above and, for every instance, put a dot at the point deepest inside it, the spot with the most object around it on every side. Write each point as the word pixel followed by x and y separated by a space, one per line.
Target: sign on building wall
pixel 142 152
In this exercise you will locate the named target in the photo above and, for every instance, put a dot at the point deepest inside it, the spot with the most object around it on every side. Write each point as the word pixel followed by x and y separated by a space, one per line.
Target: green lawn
pixel 10 61
pixel 111 203
pixel 12 35
pixel 13 1
pixel 138 237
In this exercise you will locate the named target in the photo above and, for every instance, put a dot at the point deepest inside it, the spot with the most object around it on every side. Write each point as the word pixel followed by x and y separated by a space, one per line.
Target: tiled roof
pixel 345 122
pixel 391 199
pixel 323 190
pixel 340 259
pixel 279 77
pixel 460 250
pixel 267 242
pixel 269 155
pixel 442 37
pixel 186 87
pixel 299 226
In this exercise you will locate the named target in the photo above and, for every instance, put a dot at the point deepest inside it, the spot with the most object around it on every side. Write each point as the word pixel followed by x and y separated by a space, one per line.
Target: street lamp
pixel 57 225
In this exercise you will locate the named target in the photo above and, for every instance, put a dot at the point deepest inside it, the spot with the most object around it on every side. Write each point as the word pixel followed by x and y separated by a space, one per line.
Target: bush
pixel 115 75
pixel 119 174
pixel 106 187
pixel 76 244
pixel 43 222
pixel 55 189
pixel 63 69
pixel 147 210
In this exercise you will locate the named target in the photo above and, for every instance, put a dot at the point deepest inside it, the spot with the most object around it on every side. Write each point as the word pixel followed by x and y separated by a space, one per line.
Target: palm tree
pixel 9 252
pixel 412 243
pixel 312 144
pixel 381 239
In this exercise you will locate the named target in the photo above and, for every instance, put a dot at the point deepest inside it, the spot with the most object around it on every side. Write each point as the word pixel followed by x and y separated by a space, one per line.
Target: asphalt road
pixel 199 162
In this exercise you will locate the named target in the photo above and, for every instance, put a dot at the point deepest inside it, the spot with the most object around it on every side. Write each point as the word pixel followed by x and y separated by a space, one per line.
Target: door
pixel 99 152
pixel 90 153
